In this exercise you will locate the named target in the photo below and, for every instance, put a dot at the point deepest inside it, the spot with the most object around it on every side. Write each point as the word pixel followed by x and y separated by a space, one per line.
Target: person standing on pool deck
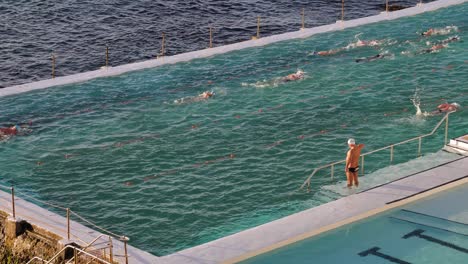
pixel 352 162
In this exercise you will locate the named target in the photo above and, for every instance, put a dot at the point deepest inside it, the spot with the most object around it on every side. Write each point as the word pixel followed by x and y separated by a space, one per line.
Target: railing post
pixel 107 56
pixel 75 255
pixel 258 27
pixel 211 37
pixel 362 163
pixel 332 170
pixel 386 6
pixel 419 147
pixel 13 201
pixel 68 223
pixel 391 153
pixel 303 19
pixel 125 239
pixel 446 129
pixel 342 10
pixel 163 42
pixel 53 66
pixel 111 255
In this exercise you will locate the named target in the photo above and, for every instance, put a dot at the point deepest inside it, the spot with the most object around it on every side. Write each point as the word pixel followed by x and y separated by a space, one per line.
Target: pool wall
pixel 339 25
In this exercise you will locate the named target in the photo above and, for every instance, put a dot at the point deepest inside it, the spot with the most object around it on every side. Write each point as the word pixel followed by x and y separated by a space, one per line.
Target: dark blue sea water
pixel 77 31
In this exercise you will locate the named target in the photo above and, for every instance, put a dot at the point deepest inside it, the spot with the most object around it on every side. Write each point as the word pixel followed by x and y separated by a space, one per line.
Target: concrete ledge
pixel 304 33
pixel 308 223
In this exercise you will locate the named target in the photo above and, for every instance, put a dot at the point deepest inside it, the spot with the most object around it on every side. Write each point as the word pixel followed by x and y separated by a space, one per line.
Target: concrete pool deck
pixel 184 57
pixel 305 224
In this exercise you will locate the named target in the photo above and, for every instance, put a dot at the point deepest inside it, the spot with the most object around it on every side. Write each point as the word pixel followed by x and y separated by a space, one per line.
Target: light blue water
pixel 118 151
pixel 442 216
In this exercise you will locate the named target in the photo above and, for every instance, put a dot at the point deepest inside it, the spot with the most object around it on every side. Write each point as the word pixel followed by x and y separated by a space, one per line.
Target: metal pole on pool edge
pixel 13 201
pixel 258 27
pixel 211 37
pixel 53 65
pixel 107 56
pixel 303 20
pixel 342 10
pixel 125 239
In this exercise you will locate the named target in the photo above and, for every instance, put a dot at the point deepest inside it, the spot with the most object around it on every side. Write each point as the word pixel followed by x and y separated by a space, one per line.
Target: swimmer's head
pixel 18 128
pixel 457 105
pixel 351 141
pixel 300 72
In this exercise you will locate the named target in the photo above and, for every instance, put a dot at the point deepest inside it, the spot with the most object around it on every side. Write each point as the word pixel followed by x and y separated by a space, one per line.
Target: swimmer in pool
pixel 13 130
pixel 294 76
pixel 326 52
pixel 372 58
pixel 7 132
pixel 192 99
pixel 446 108
pixel 206 95
pixel 451 39
pixel 439 31
pixel 434 48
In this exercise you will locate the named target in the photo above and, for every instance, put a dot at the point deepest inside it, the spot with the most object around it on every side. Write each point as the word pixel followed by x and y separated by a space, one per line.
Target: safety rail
pixel 75 257
pixel 391 147
pixel 69 234
pixel 163 49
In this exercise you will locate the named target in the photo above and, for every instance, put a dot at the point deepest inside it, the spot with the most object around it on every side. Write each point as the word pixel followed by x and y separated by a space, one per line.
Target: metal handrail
pixel 75 250
pixel 109 245
pixel 331 165
pixel 123 239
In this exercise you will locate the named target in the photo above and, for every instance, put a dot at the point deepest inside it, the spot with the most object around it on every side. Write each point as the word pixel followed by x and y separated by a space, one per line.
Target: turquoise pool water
pixel 171 176
pixel 440 222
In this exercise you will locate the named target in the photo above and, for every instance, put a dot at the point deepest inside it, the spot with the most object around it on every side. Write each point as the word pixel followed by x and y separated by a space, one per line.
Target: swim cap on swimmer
pixel 351 141
pixel 457 105
pixel 17 127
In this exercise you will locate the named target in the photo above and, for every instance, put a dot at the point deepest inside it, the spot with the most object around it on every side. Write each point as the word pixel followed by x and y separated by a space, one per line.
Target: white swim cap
pixel 457 105
pixel 351 141
pixel 299 72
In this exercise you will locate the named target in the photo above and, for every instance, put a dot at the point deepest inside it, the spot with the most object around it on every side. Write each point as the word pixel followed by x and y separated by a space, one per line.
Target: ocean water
pixel 78 31
pixel 170 176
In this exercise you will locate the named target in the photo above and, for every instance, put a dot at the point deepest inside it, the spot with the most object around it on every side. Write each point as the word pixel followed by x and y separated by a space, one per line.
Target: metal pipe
pixel 107 56
pixel 111 255
pixel 13 201
pixel 342 10
pixel 75 255
pixel 303 20
pixel 332 170
pixel 391 153
pixel 211 37
pixel 446 129
pixel 258 27
pixel 163 42
pixel 419 146
pixel 53 66
pixel 125 239
pixel 68 223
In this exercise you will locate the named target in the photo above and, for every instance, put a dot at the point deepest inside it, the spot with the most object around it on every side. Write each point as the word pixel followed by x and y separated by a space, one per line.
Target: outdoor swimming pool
pixel 170 176
pixel 433 230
